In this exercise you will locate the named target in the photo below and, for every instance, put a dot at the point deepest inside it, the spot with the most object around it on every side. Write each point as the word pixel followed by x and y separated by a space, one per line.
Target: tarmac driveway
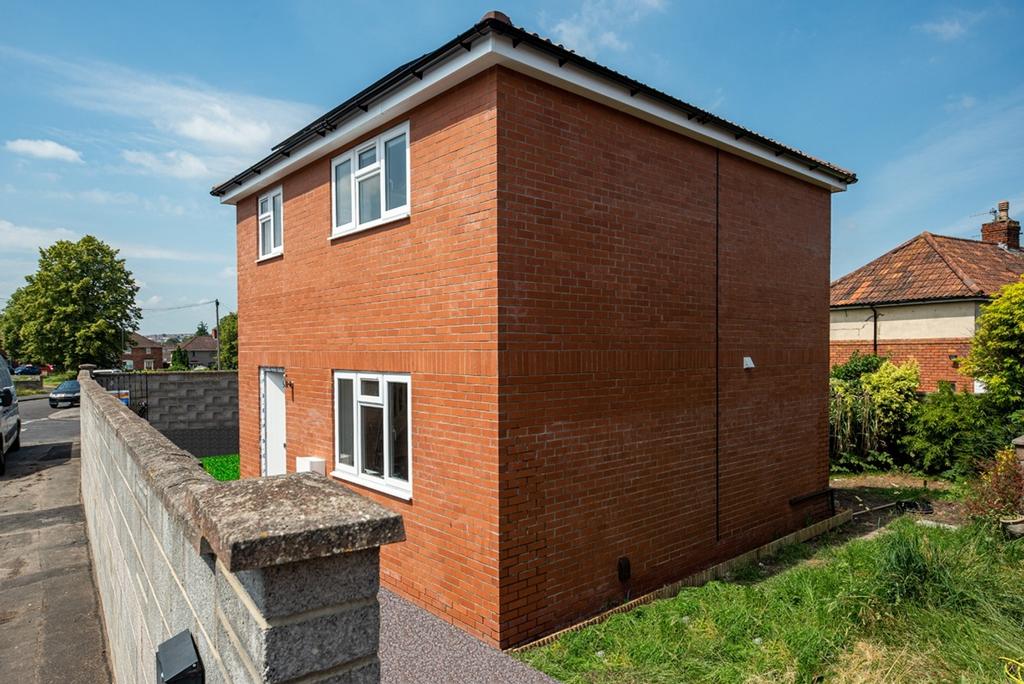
pixel 50 629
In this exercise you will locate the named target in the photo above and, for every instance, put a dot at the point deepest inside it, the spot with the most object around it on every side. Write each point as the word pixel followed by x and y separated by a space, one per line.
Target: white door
pixel 273 432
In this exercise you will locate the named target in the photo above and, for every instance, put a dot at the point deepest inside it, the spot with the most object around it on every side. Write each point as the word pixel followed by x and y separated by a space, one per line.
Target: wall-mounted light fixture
pixel 748 363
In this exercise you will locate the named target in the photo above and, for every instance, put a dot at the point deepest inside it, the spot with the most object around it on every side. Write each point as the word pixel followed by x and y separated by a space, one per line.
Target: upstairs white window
pixel 271 223
pixel 373 431
pixel 370 183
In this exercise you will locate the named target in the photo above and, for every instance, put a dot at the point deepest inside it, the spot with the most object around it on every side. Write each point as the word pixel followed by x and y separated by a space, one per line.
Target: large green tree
pixel 78 307
pixel 227 333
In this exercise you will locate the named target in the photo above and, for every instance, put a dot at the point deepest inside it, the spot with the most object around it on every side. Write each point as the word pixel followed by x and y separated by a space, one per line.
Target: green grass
pixel 222 467
pixel 911 605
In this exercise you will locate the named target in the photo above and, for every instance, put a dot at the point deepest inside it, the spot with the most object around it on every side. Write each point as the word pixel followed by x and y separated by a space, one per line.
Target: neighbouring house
pixel 547 313
pixel 921 300
pixel 201 350
pixel 142 354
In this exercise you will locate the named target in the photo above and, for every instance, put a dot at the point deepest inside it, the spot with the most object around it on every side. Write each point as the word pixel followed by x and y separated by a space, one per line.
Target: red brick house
pixel 921 299
pixel 142 354
pixel 517 296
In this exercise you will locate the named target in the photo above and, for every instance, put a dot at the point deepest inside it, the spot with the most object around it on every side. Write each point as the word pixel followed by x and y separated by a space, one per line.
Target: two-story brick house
pixel 142 354
pixel 547 313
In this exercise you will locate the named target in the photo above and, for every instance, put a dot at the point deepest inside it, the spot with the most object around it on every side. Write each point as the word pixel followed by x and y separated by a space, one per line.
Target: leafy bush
pixel 950 433
pixel 868 412
pixel 857 365
pixel 999 490
pixel 997 351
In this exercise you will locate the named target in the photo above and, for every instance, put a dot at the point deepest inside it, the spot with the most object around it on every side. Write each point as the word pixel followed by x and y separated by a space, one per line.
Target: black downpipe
pixel 718 507
pixel 874 332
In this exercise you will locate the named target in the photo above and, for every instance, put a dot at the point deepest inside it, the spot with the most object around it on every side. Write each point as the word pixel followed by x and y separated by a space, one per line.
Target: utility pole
pixel 216 327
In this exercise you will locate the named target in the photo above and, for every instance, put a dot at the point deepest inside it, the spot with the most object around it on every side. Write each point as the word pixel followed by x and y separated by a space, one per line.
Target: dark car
pixel 27 369
pixel 68 391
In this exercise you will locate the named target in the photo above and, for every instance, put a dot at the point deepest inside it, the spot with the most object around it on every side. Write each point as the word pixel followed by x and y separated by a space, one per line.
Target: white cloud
pixel 177 163
pixel 44 149
pixel 151 301
pixel 598 24
pixel 947 29
pixel 17 238
pixel 961 103
pixel 183 108
pixel 951 28
pixel 25 239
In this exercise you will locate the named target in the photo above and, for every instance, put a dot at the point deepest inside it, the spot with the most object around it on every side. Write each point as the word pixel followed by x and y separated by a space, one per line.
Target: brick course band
pixel 259 571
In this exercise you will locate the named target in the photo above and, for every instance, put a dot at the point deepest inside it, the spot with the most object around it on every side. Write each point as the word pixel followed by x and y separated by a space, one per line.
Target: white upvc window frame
pixel 386 484
pixel 379 167
pixel 272 250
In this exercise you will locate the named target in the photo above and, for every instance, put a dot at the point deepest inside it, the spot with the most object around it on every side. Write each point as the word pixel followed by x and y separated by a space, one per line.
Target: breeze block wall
pixel 276 579
pixel 196 410
pixel 939 359
pixel 637 268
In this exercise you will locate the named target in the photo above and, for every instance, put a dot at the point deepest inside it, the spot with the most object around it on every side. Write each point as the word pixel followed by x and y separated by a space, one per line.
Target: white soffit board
pixel 492 50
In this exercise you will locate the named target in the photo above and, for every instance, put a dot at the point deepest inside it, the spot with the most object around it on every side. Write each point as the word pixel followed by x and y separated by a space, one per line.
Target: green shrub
pixel 868 413
pixel 857 365
pixel 951 434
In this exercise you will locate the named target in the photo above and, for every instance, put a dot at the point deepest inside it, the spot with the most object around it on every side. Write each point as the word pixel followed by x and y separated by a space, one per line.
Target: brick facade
pixel 932 355
pixel 560 296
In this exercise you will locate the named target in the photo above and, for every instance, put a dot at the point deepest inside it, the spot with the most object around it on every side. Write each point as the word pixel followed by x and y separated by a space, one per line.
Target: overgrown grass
pixel 911 605
pixel 222 467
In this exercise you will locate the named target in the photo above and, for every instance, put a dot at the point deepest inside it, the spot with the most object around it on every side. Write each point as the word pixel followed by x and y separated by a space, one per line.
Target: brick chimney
pixel 1002 230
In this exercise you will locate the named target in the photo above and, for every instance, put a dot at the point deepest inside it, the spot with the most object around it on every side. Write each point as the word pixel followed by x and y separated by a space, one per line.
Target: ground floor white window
pixel 148 364
pixel 373 430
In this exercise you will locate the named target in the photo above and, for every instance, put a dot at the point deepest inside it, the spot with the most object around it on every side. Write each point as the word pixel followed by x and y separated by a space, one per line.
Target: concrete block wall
pixel 198 411
pixel 258 570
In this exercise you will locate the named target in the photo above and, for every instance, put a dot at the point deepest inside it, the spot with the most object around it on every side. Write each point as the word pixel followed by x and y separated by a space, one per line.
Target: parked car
pixel 28 369
pixel 68 391
pixel 10 419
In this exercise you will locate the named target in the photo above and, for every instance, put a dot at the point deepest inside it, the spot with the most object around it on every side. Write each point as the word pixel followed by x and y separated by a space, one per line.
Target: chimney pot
pixel 1004 210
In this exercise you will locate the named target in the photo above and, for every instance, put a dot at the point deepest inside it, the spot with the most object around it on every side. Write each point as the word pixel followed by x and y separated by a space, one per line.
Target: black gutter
pixel 414 69
pixel 902 302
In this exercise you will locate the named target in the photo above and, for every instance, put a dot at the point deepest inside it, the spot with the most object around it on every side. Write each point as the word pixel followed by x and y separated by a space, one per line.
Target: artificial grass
pixel 222 467
pixel 913 604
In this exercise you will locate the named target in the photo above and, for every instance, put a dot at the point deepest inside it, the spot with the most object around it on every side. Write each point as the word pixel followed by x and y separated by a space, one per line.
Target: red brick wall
pixel 564 396
pixel 607 298
pixel 417 296
pixel 931 355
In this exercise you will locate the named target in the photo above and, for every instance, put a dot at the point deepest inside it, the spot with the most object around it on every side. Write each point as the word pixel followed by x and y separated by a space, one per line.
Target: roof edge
pixel 415 71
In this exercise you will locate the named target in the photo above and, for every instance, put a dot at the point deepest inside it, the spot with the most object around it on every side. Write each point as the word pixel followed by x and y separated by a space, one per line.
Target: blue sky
pixel 115 120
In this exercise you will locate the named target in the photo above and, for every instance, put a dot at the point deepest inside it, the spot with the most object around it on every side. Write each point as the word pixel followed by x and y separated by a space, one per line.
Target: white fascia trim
pixel 569 77
pixel 494 49
pixel 435 81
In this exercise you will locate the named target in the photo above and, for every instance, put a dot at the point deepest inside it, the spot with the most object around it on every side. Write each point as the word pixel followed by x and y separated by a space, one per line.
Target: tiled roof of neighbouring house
pixel 499 24
pixel 141 341
pixel 200 343
pixel 930 267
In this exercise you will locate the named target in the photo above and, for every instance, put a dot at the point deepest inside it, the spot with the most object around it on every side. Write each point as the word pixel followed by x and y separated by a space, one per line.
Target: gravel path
pixel 417 647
